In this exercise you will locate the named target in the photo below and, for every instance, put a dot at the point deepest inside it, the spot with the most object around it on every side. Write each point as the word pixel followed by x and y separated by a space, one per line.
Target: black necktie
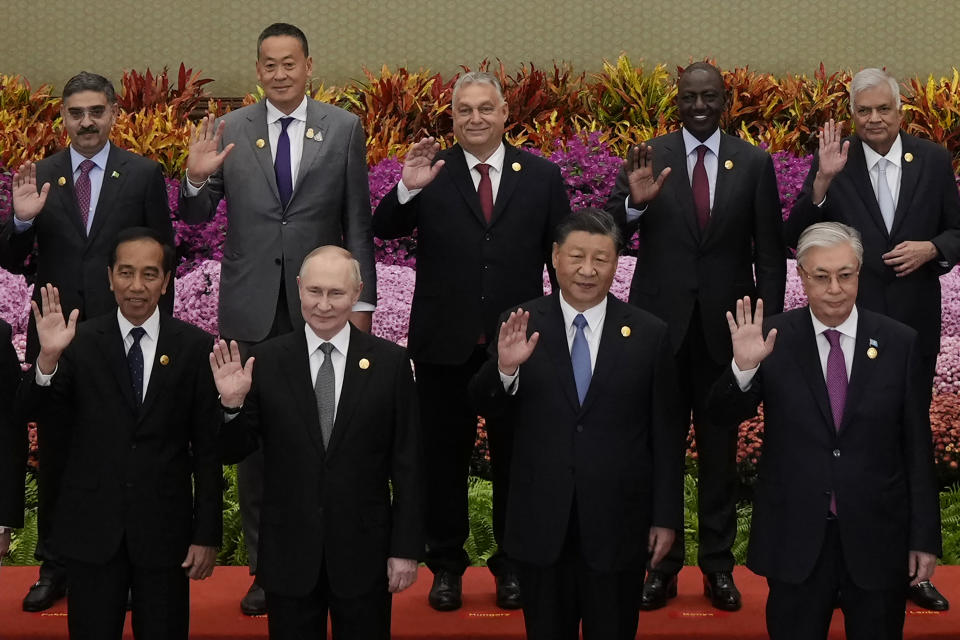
pixel 135 362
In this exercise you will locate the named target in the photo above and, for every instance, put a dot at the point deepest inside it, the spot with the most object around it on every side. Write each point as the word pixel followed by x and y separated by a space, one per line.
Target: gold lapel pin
pixel 872 353
pixel 260 143
pixel 310 132
pixel 908 156
pixel 319 136
pixel 115 174
pixel 164 359
pixel 728 164
pixel 516 166
pixel 62 181
pixel 364 363
pixel 625 331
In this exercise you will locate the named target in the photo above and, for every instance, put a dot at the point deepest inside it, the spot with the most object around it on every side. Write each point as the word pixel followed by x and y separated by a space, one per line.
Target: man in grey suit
pixel 294 174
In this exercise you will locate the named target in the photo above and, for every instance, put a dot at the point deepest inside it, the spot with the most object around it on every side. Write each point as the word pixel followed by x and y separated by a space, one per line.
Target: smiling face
pixel 283 70
pixel 137 278
pixel 585 264
pixel 329 288
pixel 877 117
pixel 830 277
pixel 701 101
pixel 88 118
pixel 479 116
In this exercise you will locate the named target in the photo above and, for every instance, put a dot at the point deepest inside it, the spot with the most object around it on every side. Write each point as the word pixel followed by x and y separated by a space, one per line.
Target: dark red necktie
pixel 701 189
pixel 82 189
pixel 485 191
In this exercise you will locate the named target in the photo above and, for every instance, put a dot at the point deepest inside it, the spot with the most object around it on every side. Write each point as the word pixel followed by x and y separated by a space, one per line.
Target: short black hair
pixel 591 220
pixel 703 66
pixel 284 29
pixel 86 81
pixel 131 234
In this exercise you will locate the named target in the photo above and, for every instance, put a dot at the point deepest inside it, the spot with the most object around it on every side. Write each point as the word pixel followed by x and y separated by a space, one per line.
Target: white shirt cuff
pixel 632 214
pixel 364 306
pixel 43 379
pixel 821 203
pixel 19 226
pixel 744 378
pixel 188 189
pixel 405 195
pixel 510 383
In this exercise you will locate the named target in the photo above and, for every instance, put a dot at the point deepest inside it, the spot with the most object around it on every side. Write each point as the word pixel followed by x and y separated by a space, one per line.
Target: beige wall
pixel 49 41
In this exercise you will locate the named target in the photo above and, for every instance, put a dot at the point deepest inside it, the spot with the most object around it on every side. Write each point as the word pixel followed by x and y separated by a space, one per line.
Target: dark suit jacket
pixel 332 505
pixel 879 464
pixel 620 454
pixel 151 475
pixel 13 435
pixel 66 256
pixel 468 272
pixel 927 209
pixel 330 205
pixel 678 266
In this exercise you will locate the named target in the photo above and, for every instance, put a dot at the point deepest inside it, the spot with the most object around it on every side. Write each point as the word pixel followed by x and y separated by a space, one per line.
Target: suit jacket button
pixel 487 237
pixel 836 453
pixel 579 428
pixel 276 260
pixel 283 222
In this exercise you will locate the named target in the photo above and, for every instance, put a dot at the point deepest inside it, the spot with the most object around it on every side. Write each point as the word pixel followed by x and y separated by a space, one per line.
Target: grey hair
pixel 477 77
pixel 337 250
pixel 826 235
pixel 868 79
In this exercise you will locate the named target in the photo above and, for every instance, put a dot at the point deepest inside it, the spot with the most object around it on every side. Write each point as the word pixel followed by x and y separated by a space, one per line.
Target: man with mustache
pixel 71 206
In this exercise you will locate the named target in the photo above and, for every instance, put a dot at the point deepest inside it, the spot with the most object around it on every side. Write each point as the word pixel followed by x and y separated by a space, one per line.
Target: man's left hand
pixel 908 256
pixel 401 573
pixel 661 539
pixel 200 561
pixel 920 566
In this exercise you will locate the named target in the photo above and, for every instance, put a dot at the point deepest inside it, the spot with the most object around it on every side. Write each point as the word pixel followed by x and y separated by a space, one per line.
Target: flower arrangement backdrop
pixel 582 123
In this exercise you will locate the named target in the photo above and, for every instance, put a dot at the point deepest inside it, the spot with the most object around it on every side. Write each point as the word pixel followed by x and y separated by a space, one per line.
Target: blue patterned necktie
pixel 580 356
pixel 281 164
pixel 135 362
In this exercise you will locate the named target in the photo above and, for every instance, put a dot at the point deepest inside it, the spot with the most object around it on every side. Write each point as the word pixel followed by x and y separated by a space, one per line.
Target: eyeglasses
pixel 823 280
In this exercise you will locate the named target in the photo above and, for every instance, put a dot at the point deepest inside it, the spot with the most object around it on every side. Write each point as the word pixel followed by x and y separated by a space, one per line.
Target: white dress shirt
pixel 338 356
pixel 848 341
pixel 96 181
pixel 591 331
pixel 495 161
pixel 711 163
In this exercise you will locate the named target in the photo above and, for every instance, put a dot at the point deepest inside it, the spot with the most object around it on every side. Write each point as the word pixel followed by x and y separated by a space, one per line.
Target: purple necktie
pixel 281 164
pixel 82 188
pixel 485 191
pixel 701 188
pixel 836 387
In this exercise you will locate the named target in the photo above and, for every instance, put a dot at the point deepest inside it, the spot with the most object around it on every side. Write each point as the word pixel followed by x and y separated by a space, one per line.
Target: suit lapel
pixel 109 188
pixel 111 345
pixel 316 120
pixel 256 129
pixel 460 176
pixel 508 181
pixel 909 175
pixel 863 367
pixel 160 373
pixel 65 192
pixel 355 380
pixel 299 384
pixel 805 351
pixel 553 335
pixel 609 350
pixel 860 176
pixel 675 156
pixel 724 185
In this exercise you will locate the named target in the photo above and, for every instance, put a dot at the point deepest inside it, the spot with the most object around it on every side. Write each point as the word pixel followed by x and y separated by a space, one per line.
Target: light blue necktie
pixel 580 355
pixel 884 197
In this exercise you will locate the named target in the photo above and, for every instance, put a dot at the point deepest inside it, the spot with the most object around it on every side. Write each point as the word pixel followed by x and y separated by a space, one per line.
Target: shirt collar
pixel 341 340
pixel 99 159
pixel 274 114
pixel 848 327
pixel 495 160
pixel 690 143
pixel 594 315
pixel 894 155
pixel 151 325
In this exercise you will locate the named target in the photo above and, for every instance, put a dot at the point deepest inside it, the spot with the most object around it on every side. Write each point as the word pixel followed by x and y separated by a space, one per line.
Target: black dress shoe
pixel 445 594
pixel 44 593
pixel 508 591
pixel 255 602
pixel 657 588
pixel 722 591
pixel 925 595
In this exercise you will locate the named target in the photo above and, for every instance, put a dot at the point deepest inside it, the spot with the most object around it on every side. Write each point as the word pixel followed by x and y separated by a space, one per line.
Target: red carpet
pixel 215 611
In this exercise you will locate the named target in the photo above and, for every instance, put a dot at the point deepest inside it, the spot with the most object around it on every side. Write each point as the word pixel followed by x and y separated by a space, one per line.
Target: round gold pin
pixel 872 353
pixel 516 166
pixel 908 156
pixel 728 164
pixel 625 331
pixel 260 143
pixel 310 132
pixel 62 181
pixel 164 359
pixel 364 363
